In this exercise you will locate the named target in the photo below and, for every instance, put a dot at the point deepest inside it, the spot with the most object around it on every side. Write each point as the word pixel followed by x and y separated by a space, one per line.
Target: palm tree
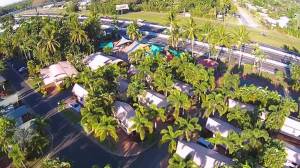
pixel 222 38
pixel 106 128
pixel 241 36
pixel 179 101
pixel 171 136
pixel 177 162
pixel 174 36
pixel 188 126
pixel 259 57
pixel 159 113
pixel 141 124
pixel 190 32
pixel 49 39
pixel 163 81
pixel 133 31
pixel 17 156
pixel 214 102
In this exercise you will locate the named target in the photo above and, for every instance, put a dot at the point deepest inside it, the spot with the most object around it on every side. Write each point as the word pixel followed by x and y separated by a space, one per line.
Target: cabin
pixel 56 73
pixel 184 87
pixel 201 156
pixel 124 113
pixel 151 97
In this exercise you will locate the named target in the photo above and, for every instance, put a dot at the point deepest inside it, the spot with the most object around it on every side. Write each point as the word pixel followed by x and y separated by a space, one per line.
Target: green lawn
pixel 71 115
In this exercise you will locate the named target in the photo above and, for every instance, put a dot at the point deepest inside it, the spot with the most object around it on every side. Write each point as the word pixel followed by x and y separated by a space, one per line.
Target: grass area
pixel 32 83
pixel 71 115
pixel 270 37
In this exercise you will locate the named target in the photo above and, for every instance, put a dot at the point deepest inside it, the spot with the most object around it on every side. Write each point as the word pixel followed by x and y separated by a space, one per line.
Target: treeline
pixel 14 7
pixel 208 8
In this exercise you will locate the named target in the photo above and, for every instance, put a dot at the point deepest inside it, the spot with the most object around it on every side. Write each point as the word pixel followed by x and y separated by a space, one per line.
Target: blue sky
pixel 8 2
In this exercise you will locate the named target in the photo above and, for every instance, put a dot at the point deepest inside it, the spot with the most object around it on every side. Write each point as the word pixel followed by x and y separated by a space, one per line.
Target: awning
pixel 122 41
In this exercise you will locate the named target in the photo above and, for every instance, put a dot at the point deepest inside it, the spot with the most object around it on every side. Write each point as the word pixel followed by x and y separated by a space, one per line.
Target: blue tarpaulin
pixel 106 44
pixel 155 49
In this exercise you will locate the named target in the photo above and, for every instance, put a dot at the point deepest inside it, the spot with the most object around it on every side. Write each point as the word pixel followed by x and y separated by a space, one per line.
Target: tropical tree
pixel 295 77
pixel 162 80
pixel 222 38
pixel 174 36
pixel 49 42
pixel 190 32
pixel 241 36
pixel 106 128
pixel 179 101
pixel 190 127
pixel 170 135
pixel 17 156
pixel 133 31
pixel 2 66
pixel 214 102
pixel 141 125
pixel 259 57
pixel 177 162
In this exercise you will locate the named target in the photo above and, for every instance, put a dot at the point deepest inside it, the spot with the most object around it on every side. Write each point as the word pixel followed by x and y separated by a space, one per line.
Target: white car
pixel 75 106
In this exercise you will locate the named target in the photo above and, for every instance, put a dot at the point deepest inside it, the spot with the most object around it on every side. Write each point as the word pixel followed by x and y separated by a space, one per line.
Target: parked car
pixel 205 143
pixel 75 106
pixel 22 69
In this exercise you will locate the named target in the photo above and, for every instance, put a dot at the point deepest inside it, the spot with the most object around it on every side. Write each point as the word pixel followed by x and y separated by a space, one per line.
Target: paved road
pixel 68 141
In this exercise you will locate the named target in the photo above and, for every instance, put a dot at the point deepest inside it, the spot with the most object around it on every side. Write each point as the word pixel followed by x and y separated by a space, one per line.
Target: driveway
pixel 69 143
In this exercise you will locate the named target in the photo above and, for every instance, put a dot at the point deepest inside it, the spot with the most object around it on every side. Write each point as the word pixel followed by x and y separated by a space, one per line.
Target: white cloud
pixel 8 2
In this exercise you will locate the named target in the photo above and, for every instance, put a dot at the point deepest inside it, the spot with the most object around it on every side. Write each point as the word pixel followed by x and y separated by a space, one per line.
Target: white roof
pixel 291 127
pixel 124 113
pixel 216 125
pixel 122 41
pixel 232 103
pixel 206 158
pixel 293 153
pixel 184 87
pixel 79 91
pixel 150 97
pixel 96 60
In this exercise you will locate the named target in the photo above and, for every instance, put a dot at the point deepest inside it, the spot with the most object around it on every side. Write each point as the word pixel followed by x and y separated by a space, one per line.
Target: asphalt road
pixel 69 143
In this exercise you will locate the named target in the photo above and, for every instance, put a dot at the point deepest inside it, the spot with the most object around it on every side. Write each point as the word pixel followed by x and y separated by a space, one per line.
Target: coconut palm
pixel 141 125
pixel 17 156
pixel 170 135
pixel 214 102
pixel 49 39
pixel 223 38
pixel 163 81
pixel 174 36
pixel 241 36
pixel 106 128
pixel 190 32
pixel 190 127
pixel 133 31
pixel 259 57
pixel 179 101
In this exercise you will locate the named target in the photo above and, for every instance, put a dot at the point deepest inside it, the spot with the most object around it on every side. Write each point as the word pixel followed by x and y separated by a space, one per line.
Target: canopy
pixel 155 49
pixel 175 52
pixel 106 45
pixel 122 41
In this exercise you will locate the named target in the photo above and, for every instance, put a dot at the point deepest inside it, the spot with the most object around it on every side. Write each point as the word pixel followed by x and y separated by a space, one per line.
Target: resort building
pixel 124 113
pixel 56 73
pixel 96 60
pixel 151 97
pixel 203 157
pixel 218 126
pixel 291 128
